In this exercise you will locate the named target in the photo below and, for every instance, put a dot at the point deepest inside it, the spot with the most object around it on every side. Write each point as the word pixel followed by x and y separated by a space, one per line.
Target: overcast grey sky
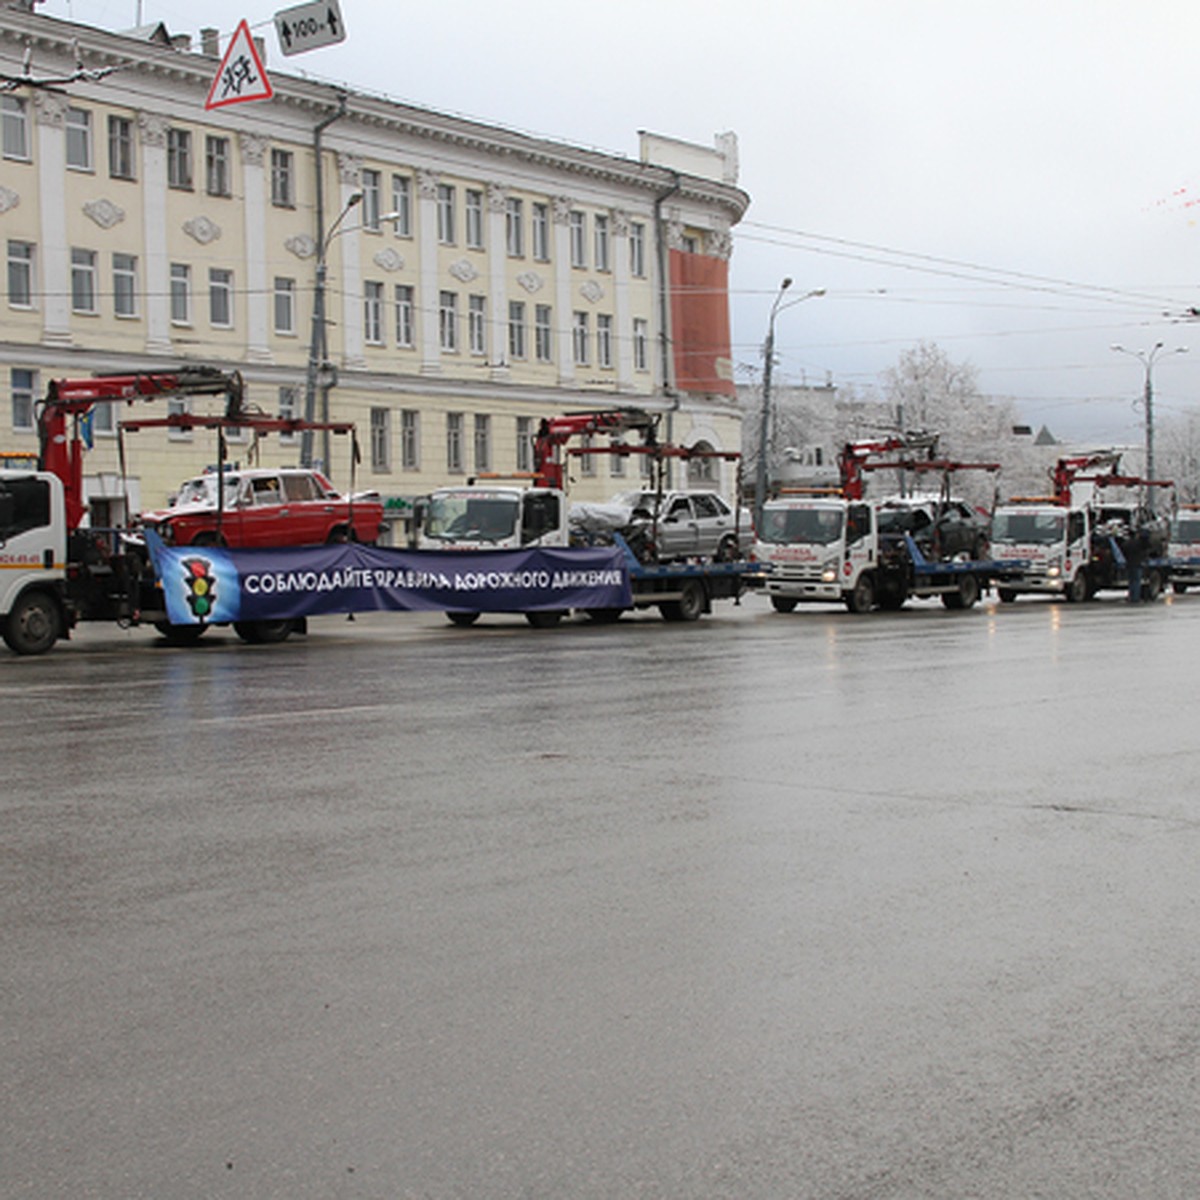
pixel 1011 179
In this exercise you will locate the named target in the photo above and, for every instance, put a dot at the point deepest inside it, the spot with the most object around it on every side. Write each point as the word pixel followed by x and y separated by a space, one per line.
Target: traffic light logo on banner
pixel 201 585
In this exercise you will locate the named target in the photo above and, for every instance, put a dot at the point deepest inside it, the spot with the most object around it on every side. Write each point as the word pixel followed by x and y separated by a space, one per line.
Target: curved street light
pixel 760 478
pixel 1146 358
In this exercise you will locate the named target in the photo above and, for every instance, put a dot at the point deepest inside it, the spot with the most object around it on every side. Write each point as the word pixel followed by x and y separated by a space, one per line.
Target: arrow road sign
pixel 309 26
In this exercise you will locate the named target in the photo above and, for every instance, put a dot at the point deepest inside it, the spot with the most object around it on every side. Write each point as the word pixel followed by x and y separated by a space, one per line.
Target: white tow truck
pixel 1183 548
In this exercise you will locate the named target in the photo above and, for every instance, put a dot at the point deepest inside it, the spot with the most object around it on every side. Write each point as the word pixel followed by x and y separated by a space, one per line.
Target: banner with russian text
pixel 213 585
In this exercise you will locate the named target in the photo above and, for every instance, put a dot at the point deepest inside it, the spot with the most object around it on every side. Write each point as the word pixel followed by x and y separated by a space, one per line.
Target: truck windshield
pixel 786 526
pixel 1028 528
pixel 1185 529
pixel 471 518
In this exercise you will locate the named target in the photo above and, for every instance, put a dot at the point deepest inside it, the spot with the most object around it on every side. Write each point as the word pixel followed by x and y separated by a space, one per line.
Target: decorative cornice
pixel 497 197
pixel 253 147
pixel 350 168
pixel 51 109
pixel 427 183
pixel 153 129
pixel 561 213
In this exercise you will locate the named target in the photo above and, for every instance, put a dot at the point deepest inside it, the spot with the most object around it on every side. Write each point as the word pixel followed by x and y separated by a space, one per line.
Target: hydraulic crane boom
pixel 553 432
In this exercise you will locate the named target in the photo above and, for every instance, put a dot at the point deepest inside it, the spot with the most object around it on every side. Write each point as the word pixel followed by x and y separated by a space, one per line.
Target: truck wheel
pixel 783 604
pixel 689 606
pixel 263 633
pixel 1179 588
pixel 180 635
pixel 861 597
pixel 1077 589
pixel 32 626
pixel 1007 595
pixel 892 596
pixel 965 597
pixel 1152 588
pixel 544 618
pixel 462 618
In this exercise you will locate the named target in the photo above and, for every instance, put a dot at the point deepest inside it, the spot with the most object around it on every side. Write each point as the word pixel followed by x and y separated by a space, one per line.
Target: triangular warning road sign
pixel 241 75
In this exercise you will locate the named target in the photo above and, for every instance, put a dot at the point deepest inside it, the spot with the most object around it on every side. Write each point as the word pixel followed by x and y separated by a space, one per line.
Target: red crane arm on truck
pixel 855 454
pixel 554 431
pixel 1067 470
pixel 62 453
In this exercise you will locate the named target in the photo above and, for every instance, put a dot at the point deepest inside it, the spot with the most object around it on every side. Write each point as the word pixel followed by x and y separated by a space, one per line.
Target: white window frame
pixel 474 219
pixel 181 294
pixel 283 178
pixel 373 312
pixel 600 241
pixel 540 230
pixel 372 199
pixel 454 443
pixel 218 165
pixel 79 139
pixel 180 171
pixel 285 306
pixel 446 232
pixel 14 138
pixel 21 264
pixel 406 329
pixel 448 322
pixel 581 337
pixel 517 339
pixel 524 444
pixel 543 333
pixel 83 282
pixel 637 249
pixel 483 442
pixel 23 391
pixel 125 285
pixel 402 204
pixel 289 409
pixel 477 324
pixel 220 283
pixel 122 153
pixel 641 344
pixel 381 439
pixel 514 226
pixel 410 439
pixel 578 234
pixel 604 341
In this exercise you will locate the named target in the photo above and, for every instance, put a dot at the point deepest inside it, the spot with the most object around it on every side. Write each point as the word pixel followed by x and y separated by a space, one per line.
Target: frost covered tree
pixel 1178 456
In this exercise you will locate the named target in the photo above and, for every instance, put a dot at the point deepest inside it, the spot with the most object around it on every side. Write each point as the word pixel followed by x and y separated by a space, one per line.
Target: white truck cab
pixel 33 552
pixel 1183 548
pixel 1049 546
pixel 490 516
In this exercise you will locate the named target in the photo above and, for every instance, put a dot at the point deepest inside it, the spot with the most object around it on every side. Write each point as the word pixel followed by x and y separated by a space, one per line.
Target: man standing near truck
pixel 1136 548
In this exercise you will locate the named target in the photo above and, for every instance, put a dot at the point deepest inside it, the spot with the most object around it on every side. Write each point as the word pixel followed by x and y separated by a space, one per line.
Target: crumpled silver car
pixel 689 525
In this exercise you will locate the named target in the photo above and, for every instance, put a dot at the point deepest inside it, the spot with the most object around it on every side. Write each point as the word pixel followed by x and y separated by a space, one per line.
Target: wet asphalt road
pixel 768 906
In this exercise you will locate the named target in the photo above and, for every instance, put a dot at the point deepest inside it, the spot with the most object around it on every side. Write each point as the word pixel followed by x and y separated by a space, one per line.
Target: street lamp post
pixel 764 428
pixel 1146 358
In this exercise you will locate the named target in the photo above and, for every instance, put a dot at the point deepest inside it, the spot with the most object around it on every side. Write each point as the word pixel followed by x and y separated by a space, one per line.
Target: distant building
pixel 482 280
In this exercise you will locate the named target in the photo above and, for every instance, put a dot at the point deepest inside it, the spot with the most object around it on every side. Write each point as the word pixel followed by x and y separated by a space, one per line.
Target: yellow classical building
pixel 474 280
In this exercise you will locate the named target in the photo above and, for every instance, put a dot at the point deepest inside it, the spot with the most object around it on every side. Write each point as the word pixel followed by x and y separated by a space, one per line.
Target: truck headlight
pixel 1054 570
pixel 829 572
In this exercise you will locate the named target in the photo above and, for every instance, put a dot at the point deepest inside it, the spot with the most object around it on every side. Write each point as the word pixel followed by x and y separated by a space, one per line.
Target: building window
pixel 181 294
pixel 15 121
pixel 454 442
pixel 218 179
pixel 104 420
pixel 604 340
pixel 514 227
pixel 516 328
pixel 289 409
pixel 578 229
pixel 587 462
pixel 83 281
pixel 637 249
pixel 580 334
pixel 641 339
pixel 285 305
pixel 402 204
pixel 220 298
pixel 179 158
pixel 445 214
pixel 690 245
pixel 543 345
pixel 405 331
pixel 79 139
pixel 20 274
pixel 474 202
pixel 23 388
pixel 373 312
pixel 381 429
pixel 483 442
pixel 120 148
pixel 448 321
pixel 524 444
pixel 541 232
pixel 600 236
pixel 616 462
pixel 283 179
pixel 477 324
pixel 410 439
pixel 124 285
pixel 178 408
pixel 372 188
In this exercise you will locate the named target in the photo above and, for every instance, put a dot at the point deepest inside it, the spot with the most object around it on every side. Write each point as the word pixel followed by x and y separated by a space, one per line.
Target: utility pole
pixel 1146 358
